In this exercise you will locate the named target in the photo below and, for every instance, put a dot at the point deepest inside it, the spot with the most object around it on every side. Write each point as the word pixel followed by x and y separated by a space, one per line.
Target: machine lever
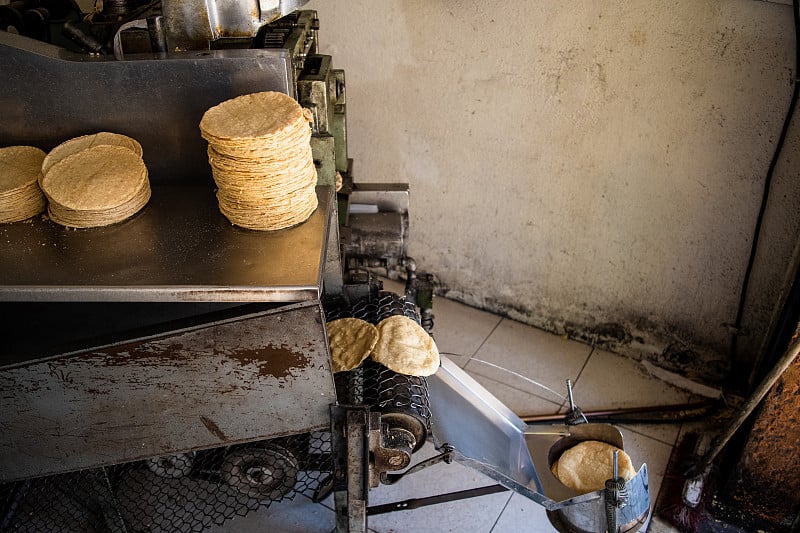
pixel 446 456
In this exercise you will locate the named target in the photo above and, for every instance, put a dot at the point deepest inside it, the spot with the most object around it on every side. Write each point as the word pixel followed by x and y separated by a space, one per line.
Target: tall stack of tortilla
pixel 20 171
pixel 260 154
pixel 95 180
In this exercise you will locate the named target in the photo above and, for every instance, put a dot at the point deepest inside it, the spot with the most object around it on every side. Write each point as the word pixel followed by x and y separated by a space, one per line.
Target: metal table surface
pixel 179 248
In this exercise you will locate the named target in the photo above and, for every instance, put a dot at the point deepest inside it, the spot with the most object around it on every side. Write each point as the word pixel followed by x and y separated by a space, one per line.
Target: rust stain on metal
pixel 125 355
pixel 280 361
pixel 271 360
pixel 213 428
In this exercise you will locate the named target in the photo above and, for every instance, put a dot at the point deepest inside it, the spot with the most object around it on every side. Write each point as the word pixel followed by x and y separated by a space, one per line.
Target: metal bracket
pixel 446 456
pixel 350 447
pixel 364 449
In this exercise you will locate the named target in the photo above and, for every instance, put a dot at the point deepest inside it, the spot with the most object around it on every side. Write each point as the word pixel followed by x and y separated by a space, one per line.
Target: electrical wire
pixel 737 325
pixel 517 374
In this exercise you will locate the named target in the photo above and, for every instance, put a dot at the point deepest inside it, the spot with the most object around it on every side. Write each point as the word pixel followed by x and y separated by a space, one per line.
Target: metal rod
pixel 553 431
pixel 415 503
pixel 677 412
pixel 569 394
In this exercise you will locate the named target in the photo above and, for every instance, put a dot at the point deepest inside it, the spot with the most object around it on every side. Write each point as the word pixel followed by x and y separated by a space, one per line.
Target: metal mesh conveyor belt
pixel 372 384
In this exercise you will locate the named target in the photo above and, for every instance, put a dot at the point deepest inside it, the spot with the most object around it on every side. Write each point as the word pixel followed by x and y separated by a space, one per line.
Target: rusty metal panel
pixel 766 483
pixel 236 380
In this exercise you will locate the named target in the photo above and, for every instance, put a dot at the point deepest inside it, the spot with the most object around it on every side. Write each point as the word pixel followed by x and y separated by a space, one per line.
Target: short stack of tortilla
pixel 95 180
pixel 260 154
pixel 20 195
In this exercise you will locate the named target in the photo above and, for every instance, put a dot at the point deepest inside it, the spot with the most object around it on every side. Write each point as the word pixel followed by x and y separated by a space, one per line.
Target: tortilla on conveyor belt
pixel 260 155
pixel 405 347
pixel 97 186
pixel 76 144
pixel 351 340
pixel 586 466
pixel 20 195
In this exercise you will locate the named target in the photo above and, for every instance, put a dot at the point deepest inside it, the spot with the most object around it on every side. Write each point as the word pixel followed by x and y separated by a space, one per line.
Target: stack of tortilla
pixel 20 195
pixel 95 180
pixel 260 154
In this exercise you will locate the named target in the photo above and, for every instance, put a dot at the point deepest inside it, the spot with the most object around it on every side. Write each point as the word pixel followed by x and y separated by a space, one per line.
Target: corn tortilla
pixel 351 340
pixel 83 142
pixel 405 347
pixel 586 466
pixel 20 195
pixel 251 116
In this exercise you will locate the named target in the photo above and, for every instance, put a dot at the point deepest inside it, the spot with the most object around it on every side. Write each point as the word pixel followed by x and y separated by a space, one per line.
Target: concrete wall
pixel 589 167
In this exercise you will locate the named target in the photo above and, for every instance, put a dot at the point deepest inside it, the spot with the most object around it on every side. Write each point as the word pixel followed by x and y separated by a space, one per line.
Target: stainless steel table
pixel 169 332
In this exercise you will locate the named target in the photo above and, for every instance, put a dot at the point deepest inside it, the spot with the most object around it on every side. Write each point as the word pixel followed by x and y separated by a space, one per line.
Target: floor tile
pixel 522 514
pixel 611 381
pixel 643 449
pixel 459 330
pixel 519 401
pixel 665 433
pixel 542 357
pixel 475 515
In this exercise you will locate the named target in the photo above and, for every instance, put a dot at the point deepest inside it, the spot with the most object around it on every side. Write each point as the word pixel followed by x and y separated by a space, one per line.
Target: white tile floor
pixel 469 336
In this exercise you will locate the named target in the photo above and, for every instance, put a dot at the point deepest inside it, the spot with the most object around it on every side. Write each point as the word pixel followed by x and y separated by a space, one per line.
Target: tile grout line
pixel 580 372
pixel 630 427
pixel 585 363
pixel 503 510
pixel 478 349
pixel 583 367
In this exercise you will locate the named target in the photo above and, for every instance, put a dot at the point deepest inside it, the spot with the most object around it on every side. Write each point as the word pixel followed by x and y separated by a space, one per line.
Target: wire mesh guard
pixel 188 492
pixel 195 491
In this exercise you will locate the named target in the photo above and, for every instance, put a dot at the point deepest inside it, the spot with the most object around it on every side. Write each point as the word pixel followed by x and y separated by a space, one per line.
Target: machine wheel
pixel 268 472
pixel 172 466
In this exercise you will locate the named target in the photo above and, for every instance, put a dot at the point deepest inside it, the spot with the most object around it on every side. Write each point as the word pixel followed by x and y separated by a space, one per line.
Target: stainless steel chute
pixel 490 438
